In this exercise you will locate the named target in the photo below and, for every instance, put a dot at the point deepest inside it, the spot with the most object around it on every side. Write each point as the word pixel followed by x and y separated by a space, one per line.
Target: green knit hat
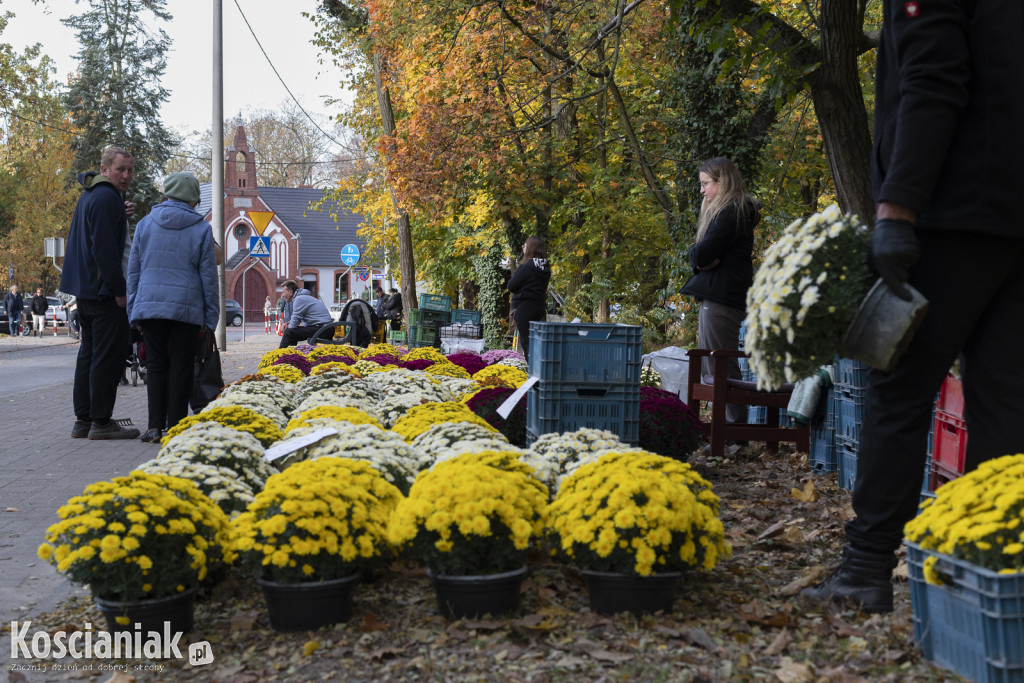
pixel 183 186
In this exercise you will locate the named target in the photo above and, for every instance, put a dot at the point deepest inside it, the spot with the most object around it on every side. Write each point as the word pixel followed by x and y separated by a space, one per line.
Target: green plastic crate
pixel 426 316
pixel 436 302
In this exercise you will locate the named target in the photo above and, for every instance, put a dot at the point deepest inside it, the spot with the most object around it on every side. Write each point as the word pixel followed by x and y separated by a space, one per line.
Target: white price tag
pixel 505 409
pixel 289 446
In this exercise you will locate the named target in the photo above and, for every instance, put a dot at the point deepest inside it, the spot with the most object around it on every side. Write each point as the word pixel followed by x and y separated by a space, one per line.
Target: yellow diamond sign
pixel 260 220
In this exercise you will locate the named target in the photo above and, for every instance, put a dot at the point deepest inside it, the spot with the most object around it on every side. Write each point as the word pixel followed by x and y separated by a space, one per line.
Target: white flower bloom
pixel 809 297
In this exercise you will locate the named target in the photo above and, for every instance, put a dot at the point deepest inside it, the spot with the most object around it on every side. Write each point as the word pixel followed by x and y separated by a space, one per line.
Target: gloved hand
pixel 894 249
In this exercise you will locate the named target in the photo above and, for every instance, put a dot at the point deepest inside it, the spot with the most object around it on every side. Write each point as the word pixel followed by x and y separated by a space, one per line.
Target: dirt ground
pixel 741 622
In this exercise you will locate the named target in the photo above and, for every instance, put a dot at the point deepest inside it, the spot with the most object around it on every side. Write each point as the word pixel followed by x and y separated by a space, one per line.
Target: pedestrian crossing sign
pixel 259 246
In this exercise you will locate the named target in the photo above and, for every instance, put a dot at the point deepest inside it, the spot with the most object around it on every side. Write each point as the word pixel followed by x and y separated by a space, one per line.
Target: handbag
pixel 207 380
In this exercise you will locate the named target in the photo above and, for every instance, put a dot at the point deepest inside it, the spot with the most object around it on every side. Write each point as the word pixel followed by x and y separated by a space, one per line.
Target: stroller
pixel 363 323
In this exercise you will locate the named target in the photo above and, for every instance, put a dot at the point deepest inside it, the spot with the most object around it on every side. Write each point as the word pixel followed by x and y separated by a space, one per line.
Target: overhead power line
pixel 276 73
pixel 179 155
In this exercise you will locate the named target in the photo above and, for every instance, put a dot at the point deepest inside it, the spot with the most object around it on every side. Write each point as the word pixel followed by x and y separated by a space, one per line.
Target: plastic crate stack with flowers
pixel 331 461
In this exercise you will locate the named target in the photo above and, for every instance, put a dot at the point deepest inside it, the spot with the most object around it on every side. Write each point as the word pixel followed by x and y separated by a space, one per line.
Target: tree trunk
pixel 834 84
pixel 407 262
pixel 839 105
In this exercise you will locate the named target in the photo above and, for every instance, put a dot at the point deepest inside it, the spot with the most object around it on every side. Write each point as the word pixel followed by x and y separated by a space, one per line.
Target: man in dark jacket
pixel 382 299
pixel 949 105
pixel 393 309
pixel 94 273
pixel 39 307
pixel 14 305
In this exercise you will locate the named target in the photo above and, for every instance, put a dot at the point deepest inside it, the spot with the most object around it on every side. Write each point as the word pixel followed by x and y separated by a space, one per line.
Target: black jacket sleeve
pixel 925 74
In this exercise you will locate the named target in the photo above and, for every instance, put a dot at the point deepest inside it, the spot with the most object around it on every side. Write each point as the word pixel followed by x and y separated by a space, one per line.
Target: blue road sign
pixel 259 246
pixel 350 254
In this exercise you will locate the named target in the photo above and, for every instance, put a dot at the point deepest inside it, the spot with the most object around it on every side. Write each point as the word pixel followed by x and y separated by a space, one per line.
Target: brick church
pixel 305 244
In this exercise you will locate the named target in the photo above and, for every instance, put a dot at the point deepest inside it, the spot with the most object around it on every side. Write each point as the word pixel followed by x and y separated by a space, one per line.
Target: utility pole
pixel 217 172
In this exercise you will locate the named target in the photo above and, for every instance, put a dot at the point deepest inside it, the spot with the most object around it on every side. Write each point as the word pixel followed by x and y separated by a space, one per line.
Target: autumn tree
pixel 116 96
pixel 36 196
pixel 501 116
pixel 814 48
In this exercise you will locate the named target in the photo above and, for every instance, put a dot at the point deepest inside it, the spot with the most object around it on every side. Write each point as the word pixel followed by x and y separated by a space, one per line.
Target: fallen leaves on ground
pixel 743 621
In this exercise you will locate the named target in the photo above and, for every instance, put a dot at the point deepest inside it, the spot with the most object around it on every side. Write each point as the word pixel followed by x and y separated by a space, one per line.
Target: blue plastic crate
pixel 559 407
pixel 846 456
pixel 577 352
pixel 436 302
pixel 850 372
pixel 823 447
pixel 973 625
pixel 758 415
pixel 463 316
pixel 849 411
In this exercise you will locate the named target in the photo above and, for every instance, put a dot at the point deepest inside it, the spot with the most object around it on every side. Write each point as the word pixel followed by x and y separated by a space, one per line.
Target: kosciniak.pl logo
pixel 89 644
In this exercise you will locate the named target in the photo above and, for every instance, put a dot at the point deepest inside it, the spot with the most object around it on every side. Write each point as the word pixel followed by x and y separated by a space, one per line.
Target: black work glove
pixel 894 249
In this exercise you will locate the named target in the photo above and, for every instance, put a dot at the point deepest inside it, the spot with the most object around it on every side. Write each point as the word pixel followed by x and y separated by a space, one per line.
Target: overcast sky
pixel 280 27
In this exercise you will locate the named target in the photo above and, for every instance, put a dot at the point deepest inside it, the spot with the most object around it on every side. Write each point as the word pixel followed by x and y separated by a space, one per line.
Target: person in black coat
pixel 393 309
pixel 529 287
pixel 39 306
pixel 949 101
pixel 722 262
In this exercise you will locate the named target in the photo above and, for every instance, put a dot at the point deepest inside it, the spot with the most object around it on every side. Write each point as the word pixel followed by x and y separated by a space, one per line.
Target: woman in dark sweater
pixel 529 287
pixel 722 262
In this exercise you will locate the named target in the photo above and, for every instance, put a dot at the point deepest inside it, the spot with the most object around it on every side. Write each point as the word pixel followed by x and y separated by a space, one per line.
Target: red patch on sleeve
pixel 912 9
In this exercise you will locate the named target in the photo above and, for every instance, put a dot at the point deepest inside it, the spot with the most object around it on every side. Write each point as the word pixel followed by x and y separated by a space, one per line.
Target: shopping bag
pixel 208 381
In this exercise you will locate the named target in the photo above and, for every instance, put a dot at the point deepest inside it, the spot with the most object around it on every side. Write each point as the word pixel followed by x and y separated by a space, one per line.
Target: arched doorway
pixel 255 295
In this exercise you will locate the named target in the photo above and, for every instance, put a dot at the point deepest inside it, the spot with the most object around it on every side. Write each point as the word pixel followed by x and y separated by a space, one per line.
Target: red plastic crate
pixel 949 443
pixel 939 475
pixel 951 397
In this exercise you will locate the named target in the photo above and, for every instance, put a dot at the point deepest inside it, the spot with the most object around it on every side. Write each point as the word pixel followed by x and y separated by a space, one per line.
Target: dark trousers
pixel 718 327
pixel 100 358
pixel 293 335
pixel 975 286
pixel 170 363
pixel 527 312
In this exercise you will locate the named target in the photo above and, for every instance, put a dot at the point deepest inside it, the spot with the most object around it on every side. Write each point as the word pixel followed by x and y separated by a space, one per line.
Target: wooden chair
pixel 719 389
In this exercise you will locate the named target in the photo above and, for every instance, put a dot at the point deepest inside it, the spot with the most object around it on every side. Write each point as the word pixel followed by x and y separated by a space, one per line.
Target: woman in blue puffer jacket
pixel 172 297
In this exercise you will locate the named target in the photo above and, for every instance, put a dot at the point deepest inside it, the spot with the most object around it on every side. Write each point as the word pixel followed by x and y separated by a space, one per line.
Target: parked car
pixel 56 310
pixel 233 313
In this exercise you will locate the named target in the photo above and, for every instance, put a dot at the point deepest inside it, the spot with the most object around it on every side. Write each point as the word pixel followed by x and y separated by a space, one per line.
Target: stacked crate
pixel 434 312
pixel 462 324
pixel 851 378
pixel 588 376
pixel 822 456
pixel 949 434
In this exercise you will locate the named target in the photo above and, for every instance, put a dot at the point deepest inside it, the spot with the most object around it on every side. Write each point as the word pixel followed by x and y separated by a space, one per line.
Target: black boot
pixel 865 578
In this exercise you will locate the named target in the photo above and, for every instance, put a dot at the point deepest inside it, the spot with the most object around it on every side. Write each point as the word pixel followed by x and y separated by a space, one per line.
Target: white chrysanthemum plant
pixel 805 296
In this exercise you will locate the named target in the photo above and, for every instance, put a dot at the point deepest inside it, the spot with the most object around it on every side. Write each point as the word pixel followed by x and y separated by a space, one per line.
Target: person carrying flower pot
pixel 949 102
pixel 723 265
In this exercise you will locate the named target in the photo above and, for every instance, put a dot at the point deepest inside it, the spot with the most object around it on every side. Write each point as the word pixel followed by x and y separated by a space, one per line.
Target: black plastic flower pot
pixel 460 597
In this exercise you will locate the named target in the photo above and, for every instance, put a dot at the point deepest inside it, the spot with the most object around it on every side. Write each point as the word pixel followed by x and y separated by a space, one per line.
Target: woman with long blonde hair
pixel 722 262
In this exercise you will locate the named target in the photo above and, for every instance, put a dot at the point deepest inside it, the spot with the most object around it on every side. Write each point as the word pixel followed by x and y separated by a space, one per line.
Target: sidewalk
pixel 43 467
pixel 23 343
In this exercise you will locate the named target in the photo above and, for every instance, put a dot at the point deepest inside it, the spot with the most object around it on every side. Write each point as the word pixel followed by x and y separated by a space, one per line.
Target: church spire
pixel 240 165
